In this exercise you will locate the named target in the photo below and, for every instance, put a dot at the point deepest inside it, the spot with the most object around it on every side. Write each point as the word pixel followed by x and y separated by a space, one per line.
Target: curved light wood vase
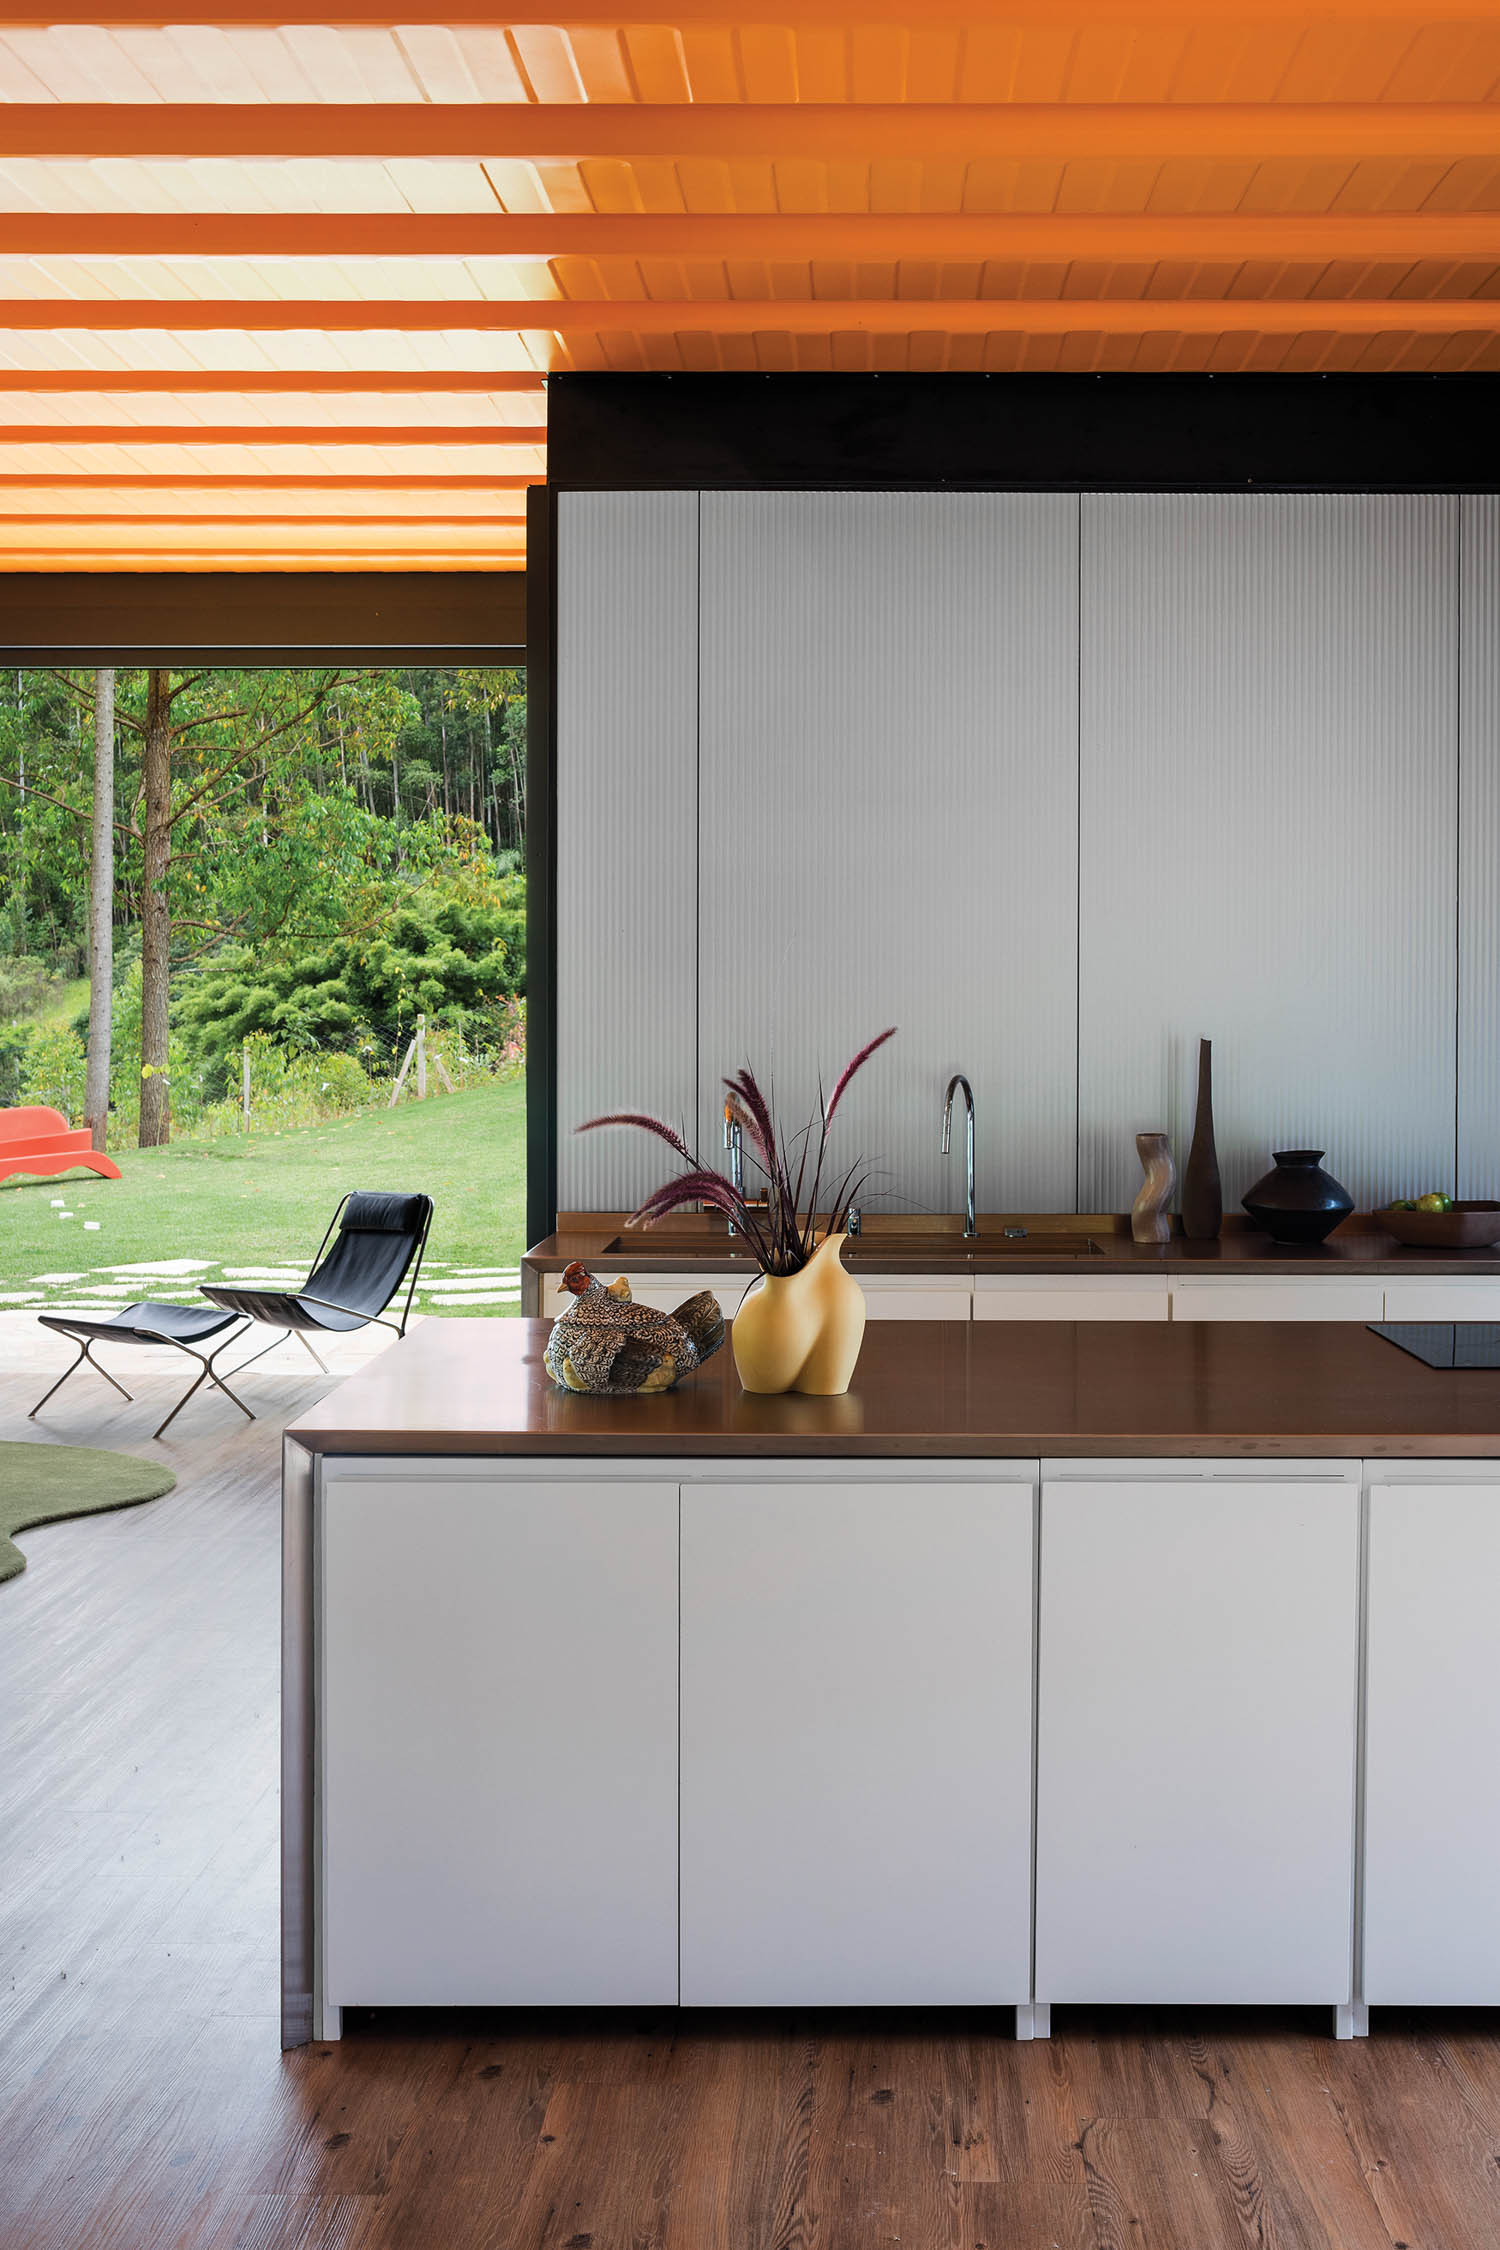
pixel 1150 1220
pixel 802 1331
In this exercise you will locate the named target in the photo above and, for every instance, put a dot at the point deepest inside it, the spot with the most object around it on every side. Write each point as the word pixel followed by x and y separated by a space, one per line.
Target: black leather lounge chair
pixel 374 1242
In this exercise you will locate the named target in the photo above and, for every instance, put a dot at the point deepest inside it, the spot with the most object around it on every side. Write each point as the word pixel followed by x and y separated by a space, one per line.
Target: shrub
pixel 453 958
pixel 336 1084
pixel 25 982
pixel 52 1069
pixel 13 1038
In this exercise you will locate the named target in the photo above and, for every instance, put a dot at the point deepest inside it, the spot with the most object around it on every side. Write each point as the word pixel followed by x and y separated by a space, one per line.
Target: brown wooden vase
pixel 1150 1220
pixel 1202 1195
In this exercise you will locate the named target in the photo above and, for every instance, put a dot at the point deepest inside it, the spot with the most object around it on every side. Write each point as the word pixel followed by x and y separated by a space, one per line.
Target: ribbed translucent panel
pixel 889 767
pixel 1479 842
pixel 1268 838
pixel 627 725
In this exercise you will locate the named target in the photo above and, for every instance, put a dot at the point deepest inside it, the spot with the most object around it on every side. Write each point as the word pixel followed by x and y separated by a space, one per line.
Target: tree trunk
pixel 156 913
pixel 517 779
pixel 486 778
pixel 101 913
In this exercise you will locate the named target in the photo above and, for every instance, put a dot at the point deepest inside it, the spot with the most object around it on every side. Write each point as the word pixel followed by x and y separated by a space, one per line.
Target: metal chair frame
pixel 139 1334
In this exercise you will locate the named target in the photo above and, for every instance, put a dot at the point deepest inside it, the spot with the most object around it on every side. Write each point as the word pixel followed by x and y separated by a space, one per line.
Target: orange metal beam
pixel 802 316
pixel 94 558
pixel 186 382
pixel 718 236
pixel 592 15
pixel 259 434
pixel 189 480
pixel 282 524
pixel 813 131
pixel 232 559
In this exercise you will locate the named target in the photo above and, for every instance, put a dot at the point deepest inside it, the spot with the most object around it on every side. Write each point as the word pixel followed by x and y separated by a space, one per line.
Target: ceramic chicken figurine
pixel 607 1344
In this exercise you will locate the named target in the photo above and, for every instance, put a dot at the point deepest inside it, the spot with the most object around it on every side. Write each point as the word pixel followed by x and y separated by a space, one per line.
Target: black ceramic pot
pixel 1298 1201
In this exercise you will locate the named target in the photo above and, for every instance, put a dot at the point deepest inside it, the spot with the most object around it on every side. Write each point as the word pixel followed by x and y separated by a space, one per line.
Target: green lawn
pixel 261 1203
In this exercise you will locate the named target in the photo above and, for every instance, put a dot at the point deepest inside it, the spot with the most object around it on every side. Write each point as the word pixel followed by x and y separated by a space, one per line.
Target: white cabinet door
pixel 499 1740
pixel 842 585
pixel 1082 1296
pixel 1432 1746
pixel 1435 1297
pixel 1324 1297
pixel 856 1743
pixel 1196 1748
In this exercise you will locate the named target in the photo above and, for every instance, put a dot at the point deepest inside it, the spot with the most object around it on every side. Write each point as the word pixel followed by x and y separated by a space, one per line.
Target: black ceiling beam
pixel 263 617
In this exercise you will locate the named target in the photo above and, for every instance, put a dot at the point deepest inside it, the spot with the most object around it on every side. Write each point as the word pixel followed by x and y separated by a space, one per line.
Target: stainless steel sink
pixel 926 1249
pixel 708 1250
pixel 939 1248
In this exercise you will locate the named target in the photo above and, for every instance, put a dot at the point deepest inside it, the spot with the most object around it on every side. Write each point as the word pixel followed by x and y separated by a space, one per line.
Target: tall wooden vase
pixel 1150 1220
pixel 802 1331
pixel 1202 1196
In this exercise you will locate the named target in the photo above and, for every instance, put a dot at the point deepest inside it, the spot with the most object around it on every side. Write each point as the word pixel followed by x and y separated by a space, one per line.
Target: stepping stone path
pixel 174 1281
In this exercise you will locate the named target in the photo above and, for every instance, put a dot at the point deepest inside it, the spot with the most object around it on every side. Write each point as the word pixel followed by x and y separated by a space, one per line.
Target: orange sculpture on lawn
pixel 41 1141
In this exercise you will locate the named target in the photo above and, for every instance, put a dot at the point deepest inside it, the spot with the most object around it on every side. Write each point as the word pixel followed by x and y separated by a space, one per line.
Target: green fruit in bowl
pixel 1435 1201
pixel 1401 1203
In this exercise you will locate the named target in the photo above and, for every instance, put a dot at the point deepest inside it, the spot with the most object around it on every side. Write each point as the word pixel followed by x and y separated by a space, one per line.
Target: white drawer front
pixel 1330 1298
pixel 920 1297
pixel 1464 1298
pixel 1005 1296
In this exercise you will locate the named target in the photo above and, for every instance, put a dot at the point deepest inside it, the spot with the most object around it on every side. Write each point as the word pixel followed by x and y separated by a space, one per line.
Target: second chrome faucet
pixel 955 1082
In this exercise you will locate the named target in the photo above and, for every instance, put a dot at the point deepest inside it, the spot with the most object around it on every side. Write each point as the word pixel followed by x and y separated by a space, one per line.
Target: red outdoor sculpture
pixel 41 1141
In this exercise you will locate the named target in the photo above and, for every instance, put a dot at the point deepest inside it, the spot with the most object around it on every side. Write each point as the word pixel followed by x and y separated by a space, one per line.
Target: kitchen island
pixel 1057 1662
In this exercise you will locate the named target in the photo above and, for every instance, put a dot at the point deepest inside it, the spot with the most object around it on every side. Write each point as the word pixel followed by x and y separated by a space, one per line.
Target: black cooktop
pixel 1444 1343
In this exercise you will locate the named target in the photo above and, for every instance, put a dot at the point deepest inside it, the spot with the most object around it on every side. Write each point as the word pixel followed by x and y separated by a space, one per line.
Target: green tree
pixel 267 809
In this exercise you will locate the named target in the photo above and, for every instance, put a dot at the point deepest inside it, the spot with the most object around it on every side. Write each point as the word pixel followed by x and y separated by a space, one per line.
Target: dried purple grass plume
pixel 782 1232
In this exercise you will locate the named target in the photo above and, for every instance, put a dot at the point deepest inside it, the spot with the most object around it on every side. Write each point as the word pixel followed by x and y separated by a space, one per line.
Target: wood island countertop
pixel 937 1390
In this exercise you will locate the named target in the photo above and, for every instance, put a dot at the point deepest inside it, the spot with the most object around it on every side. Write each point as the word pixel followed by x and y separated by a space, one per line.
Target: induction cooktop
pixel 1444 1343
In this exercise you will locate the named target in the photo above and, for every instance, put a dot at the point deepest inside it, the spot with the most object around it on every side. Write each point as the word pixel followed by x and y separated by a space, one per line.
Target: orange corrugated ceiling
pixel 280 286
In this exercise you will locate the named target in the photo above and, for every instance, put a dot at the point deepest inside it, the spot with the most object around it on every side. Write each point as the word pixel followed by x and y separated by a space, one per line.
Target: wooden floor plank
pixel 1271 2095
pixel 1155 2182
pixel 144 2104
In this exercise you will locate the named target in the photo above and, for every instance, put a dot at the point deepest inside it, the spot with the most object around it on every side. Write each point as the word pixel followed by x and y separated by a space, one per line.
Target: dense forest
pixel 264 877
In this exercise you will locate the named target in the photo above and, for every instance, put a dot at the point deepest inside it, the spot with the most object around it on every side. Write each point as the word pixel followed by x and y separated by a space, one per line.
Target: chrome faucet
pixel 734 1142
pixel 958 1079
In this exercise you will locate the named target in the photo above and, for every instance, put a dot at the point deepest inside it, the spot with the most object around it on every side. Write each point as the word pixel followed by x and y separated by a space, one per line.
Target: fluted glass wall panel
pixel 1479 838
pixel 1268 832
pixel 888 828
pixel 627 728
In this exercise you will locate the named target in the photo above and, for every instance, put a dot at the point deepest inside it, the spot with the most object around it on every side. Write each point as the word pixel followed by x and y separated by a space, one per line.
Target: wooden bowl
pixel 1468 1226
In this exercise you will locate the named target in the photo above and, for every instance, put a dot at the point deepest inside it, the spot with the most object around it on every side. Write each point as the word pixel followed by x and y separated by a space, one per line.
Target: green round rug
pixel 44 1483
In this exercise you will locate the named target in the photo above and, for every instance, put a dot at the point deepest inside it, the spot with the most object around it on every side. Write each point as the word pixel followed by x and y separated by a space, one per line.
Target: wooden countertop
pixel 937 1389
pixel 1357 1249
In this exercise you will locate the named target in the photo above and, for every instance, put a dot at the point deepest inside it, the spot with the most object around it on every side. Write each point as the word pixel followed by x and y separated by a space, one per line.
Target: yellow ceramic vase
pixel 802 1331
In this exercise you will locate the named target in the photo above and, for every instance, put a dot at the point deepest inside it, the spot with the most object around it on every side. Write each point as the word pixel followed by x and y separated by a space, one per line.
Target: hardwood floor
pixel 144 2104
